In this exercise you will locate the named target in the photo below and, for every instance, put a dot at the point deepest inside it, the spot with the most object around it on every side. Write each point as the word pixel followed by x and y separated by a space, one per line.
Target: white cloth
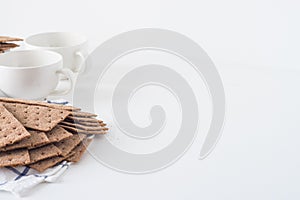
pixel 19 180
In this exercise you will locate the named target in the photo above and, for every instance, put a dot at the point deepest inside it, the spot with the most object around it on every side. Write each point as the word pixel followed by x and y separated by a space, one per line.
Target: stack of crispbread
pixel 6 43
pixel 41 135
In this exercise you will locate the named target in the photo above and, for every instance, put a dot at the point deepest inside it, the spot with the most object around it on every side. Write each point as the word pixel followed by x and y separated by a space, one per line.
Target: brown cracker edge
pixel 75 130
pixel 43 165
pixel 67 145
pixel 79 150
pixel 9 39
pixel 83 114
pixel 84 127
pixel 39 103
pixel 82 119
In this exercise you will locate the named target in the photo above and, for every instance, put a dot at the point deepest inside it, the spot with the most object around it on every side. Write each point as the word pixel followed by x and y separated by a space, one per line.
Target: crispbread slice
pixel 82 114
pixel 76 130
pixel 11 130
pixel 79 150
pixel 103 124
pixel 84 127
pixel 14 158
pixel 4 49
pixel 39 103
pixel 82 119
pixel 43 152
pixel 58 134
pixel 36 139
pixel 42 165
pixel 95 123
pixel 67 145
pixel 8 45
pixel 36 117
pixel 9 39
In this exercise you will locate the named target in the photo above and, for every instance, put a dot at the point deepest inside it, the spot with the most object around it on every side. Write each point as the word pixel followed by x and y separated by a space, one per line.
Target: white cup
pixel 72 47
pixel 33 74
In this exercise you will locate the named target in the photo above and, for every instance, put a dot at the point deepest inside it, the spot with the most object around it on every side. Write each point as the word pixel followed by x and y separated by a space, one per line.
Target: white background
pixel 254 44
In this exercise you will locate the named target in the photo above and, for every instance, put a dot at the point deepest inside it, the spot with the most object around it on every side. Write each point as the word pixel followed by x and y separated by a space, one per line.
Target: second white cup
pixel 72 47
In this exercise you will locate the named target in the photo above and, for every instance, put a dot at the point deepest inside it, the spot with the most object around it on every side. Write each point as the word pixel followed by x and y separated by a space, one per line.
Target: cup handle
pixel 67 73
pixel 81 66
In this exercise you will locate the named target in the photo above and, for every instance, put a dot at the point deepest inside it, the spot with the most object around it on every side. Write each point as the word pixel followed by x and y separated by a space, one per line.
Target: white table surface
pixel 255 47
pixel 257 155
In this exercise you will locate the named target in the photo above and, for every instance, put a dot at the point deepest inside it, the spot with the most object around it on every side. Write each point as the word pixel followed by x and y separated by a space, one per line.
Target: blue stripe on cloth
pixel 62 103
pixel 37 175
pixel 13 170
pixel 64 164
pixel 3 183
pixel 24 173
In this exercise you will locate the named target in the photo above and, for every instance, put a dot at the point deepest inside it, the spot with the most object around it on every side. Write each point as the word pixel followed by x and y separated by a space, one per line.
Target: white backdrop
pixel 234 33
pixel 254 44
